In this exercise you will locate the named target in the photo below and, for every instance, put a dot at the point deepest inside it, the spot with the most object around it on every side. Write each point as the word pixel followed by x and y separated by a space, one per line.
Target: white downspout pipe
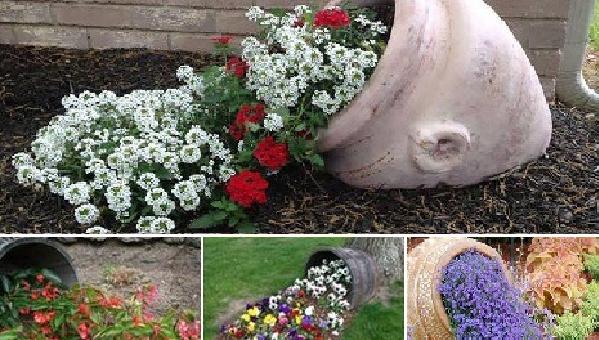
pixel 571 87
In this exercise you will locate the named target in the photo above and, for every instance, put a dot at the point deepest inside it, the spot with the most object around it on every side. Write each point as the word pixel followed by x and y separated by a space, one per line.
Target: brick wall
pixel 188 25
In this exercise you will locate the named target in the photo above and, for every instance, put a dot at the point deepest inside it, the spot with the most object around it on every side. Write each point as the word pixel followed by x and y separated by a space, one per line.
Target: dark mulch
pixel 556 194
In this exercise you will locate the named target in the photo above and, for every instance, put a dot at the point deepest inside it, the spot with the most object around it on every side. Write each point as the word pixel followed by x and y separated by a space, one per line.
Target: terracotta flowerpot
pixel 454 100
pixel 426 313
pixel 594 336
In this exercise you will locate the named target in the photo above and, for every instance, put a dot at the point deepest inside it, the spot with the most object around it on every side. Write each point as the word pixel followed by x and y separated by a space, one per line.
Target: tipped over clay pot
pixel 453 100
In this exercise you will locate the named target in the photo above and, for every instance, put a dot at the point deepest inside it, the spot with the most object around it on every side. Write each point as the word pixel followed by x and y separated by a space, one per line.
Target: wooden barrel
pixel 363 269
pixel 426 313
pixel 40 253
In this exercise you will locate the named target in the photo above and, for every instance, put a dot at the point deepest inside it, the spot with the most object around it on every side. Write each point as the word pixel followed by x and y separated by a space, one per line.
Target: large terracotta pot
pixel 426 313
pixel 453 100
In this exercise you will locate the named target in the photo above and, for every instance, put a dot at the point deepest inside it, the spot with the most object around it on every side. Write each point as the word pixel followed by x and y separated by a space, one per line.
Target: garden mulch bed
pixel 555 194
pixel 175 270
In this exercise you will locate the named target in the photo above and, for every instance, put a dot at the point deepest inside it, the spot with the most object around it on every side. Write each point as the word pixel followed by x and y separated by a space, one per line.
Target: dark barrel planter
pixel 364 271
pixel 24 253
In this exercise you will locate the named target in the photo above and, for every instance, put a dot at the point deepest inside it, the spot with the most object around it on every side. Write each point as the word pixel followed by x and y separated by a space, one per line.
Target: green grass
pixel 594 33
pixel 378 321
pixel 250 268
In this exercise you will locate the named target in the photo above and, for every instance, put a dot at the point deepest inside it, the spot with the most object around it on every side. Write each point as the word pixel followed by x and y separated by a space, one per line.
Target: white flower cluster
pixel 304 58
pixel 330 281
pixel 127 151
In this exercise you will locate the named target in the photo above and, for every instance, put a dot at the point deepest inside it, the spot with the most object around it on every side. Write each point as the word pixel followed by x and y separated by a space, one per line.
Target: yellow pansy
pixel 245 317
pixel 270 320
pixel 251 326
pixel 254 311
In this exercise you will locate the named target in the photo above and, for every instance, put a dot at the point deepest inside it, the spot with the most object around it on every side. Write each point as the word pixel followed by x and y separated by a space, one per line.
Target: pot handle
pixel 439 148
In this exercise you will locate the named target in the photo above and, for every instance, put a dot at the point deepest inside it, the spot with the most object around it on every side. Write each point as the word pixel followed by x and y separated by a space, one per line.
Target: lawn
pixel 247 269
pixel 594 33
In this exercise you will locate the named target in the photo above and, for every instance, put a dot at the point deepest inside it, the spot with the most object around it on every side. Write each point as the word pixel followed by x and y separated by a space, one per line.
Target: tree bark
pixel 387 252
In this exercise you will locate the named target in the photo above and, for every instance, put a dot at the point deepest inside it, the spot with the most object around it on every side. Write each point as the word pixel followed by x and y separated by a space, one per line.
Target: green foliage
pixel 594 32
pixel 573 326
pixel 34 302
pixel 591 264
pixel 225 212
pixel 590 306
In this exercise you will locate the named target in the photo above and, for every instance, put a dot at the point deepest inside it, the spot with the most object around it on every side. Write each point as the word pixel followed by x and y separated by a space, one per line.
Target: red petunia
pixel 271 154
pixel 247 114
pixel 246 188
pixel 221 39
pixel 237 66
pixel 332 18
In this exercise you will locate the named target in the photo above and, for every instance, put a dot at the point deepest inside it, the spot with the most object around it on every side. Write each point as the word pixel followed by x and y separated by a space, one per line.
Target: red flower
pixel 25 311
pixel 137 321
pixel 237 66
pixel 111 302
pixel 247 114
pixel 84 331
pixel 40 278
pixel 188 331
pixel 332 18
pixel 246 188
pixel 222 39
pixel 43 317
pixel 84 309
pixel 26 286
pixel 271 154
pixel 50 292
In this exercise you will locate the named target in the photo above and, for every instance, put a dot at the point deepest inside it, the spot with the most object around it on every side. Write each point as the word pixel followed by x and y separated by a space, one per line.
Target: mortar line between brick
pixel 116 28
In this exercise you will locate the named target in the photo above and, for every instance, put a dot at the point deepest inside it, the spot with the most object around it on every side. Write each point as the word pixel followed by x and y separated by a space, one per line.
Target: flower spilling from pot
pixel 34 304
pixel 155 159
pixel 314 307
pixel 481 302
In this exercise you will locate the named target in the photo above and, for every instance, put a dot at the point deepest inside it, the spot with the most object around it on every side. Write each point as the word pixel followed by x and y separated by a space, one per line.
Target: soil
pixel 121 268
pixel 555 194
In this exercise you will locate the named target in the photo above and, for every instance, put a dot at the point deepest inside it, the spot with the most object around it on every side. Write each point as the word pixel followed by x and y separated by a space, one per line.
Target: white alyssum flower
pixel 273 122
pixel 140 140
pixel 281 78
pixel 87 214
pixel 78 193
pixel 97 230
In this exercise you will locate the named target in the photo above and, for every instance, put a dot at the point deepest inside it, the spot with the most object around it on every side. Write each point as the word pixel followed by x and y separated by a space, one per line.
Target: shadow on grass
pixel 378 320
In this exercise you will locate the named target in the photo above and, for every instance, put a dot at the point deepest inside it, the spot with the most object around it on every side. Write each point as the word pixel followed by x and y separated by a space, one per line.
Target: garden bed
pixel 556 194
pixel 174 269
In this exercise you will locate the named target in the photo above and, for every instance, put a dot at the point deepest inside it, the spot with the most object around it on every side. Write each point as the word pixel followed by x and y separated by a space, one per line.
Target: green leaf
pixel 6 284
pixel 209 220
pixel 316 159
pixel 51 276
pixel 247 228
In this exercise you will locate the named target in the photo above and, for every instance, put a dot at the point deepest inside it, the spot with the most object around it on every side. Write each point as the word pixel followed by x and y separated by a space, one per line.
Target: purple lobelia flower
pixel 482 303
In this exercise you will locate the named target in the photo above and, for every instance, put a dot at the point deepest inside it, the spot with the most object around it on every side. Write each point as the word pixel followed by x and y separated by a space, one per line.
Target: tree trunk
pixel 387 252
